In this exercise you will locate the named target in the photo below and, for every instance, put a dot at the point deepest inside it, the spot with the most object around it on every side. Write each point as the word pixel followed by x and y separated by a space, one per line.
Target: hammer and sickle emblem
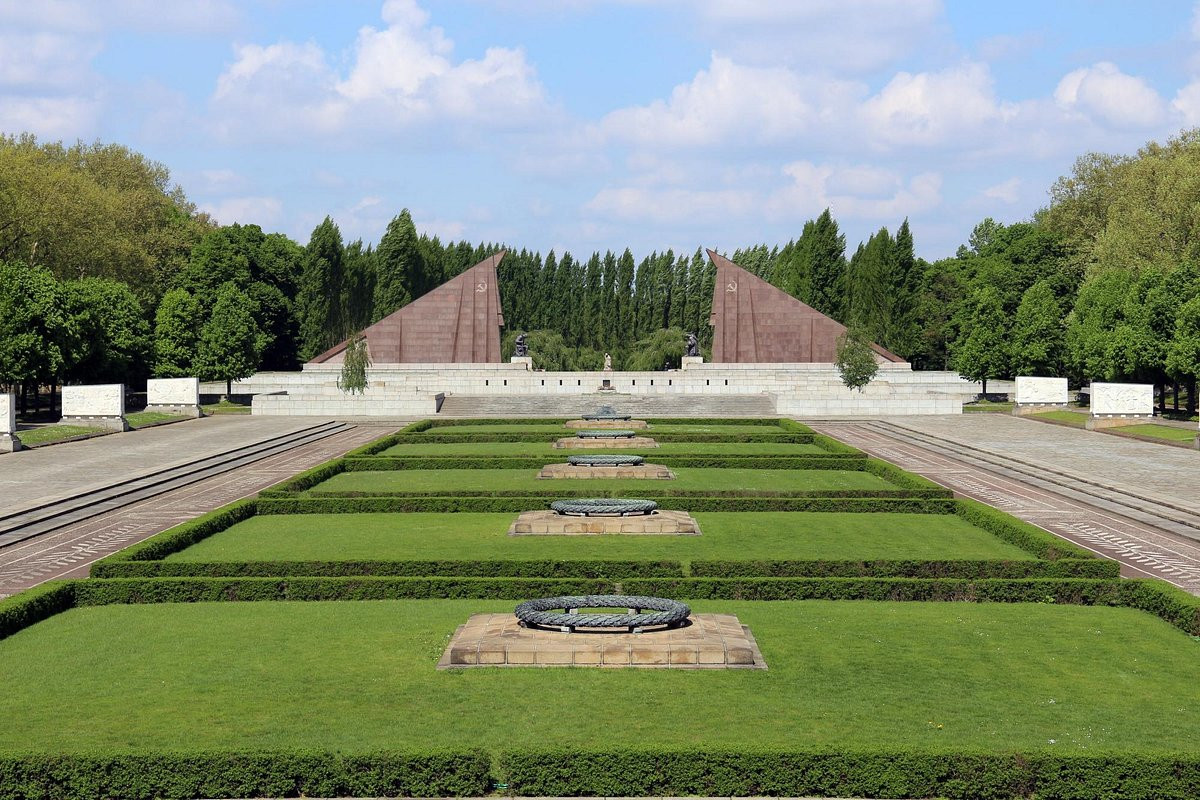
pixel 731 286
pixel 481 286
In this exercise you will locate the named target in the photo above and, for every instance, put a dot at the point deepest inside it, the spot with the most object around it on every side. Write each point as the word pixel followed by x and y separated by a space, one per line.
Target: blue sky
pixel 599 124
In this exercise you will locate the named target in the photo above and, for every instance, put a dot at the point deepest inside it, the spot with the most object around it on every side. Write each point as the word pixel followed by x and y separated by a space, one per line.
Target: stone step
pixel 637 405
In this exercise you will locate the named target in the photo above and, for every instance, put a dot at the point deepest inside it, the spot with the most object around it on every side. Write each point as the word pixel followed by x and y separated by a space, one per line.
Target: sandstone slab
pixel 624 443
pixel 650 471
pixel 551 523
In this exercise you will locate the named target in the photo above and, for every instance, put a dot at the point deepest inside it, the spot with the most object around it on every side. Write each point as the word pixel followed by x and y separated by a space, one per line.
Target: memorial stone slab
pixel 8 424
pixel 1041 391
pixel 178 395
pixel 100 405
pixel 1122 399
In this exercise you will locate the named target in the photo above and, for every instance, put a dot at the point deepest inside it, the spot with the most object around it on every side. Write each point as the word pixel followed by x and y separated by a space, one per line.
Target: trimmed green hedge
pixel 1024 535
pixel 753 772
pixel 844 461
pixel 908 568
pixel 834 446
pixel 143 776
pixel 594 568
pixel 184 535
pixel 518 436
pixel 903 504
pixel 34 605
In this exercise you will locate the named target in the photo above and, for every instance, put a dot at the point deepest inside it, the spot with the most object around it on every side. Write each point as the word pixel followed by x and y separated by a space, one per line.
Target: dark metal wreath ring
pixel 604 507
pixel 603 417
pixel 605 461
pixel 544 612
pixel 613 434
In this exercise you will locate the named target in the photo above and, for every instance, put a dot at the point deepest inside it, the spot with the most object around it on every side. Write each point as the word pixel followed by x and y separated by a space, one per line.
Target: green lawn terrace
pixel 359 676
pixel 742 536
pixel 698 480
pixel 547 449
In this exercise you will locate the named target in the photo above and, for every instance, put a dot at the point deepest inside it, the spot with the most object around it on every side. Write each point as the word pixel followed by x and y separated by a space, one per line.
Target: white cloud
pixel 864 192
pixel 1006 191
pixel 730 101
pixel 671 205
pixel 1187 103
pixel 262 211
pixel 49 117
pixel 400 76
pixel 87 16
pixel 934 108
pixel 1105 93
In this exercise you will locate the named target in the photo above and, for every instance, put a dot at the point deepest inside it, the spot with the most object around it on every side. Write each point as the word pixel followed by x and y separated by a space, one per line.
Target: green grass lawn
pixel 547 449
pixel 1076 418
pixel 725 535
pixel 987 407
pixel 563 430
pixel 356 676
pixel 55 433
pixel 450 481
pixel 1168 432
pixel 225 407
pixel 140 419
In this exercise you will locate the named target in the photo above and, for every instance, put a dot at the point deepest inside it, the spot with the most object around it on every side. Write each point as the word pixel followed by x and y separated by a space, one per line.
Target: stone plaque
pixel 173 392
pixel 101 400
pixel 1131 399
pixel 1041 390
pixel 8 414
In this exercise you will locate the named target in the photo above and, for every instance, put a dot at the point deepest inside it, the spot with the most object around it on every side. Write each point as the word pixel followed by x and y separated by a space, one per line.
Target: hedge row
pixel 142 776
pixel 595 568
pixel 1024 535
pixel 653 491
pixel 384 442
pixel 908 568
pixel 834 447
pixel 184 535
pixel 518 436
pixel 752 772
pixel 34 605
pixel 846 461
pixel 901 503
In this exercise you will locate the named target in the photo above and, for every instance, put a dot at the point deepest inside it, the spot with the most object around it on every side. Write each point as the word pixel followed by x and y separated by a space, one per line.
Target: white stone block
pixel 8 414
pixel 101 400
pixel 1032 390
pixel 173 392
pixel 1129 399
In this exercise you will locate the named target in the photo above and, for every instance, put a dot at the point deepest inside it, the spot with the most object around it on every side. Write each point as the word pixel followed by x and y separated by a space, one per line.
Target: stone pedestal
pixel 551 523
pixel 98 406
pixel 1025 409
pixel 1095 423
pixel 575 443
pixel 652 471
pixel 177 396
pixel 707 641
pixel 9 443
pixel 606 424
pixel 527 361
pixel 691 361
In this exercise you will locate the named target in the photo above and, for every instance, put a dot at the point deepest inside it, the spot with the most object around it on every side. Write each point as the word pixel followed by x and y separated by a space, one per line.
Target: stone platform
pixel 653 471
pixel 606 424
pixel 709 641
pixel 551 523
pixel 575 443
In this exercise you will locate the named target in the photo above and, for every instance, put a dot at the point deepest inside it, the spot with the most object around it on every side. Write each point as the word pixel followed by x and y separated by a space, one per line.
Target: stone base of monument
pixel 623 443
pixel 653 471
pixel 606 424
pixel 691 361
pixel 1025 409
pixel 551 523
pixel 708 641
pixel 9 443
pixel 177 410
pixel 111 423
pixel 526 361
pixel 1117 421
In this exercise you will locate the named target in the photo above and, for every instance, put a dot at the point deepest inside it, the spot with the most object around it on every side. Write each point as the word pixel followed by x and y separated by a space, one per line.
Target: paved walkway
pixel 69 552
pixel 1143 548
pixel 30 477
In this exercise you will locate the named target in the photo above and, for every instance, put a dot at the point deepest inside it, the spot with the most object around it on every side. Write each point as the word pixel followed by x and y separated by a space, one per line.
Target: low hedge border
pixel 1024 535
pixel 878 773
pixel 785 424
pixel 593 568
pixel 518 436
pixel 32 606
pixel 848 461
pixel 650 493
pixel 908 568
pixel 902 502
pixel 143 776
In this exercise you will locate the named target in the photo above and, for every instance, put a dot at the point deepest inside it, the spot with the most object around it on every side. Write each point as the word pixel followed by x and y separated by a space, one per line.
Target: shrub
pixel 1024 535
pixel 32 606
pixel 1064 568
pixel 466 569
pixel 349 504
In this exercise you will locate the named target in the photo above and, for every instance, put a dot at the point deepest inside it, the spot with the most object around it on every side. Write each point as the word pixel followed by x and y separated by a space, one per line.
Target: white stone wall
pixel 799 389
pixel 101 400
pixel 1124 399
pixel 8 414
pixel 1032 390
pixel 173 392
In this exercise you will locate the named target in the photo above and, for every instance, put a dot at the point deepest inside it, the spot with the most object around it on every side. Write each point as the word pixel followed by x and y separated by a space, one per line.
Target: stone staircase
pixel 636 405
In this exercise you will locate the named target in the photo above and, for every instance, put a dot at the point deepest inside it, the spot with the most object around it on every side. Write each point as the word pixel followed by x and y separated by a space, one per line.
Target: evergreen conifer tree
pixel 322 283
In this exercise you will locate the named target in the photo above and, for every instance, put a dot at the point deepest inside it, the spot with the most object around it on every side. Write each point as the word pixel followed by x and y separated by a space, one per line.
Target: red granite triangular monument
pixel 754 322
pixel 457 323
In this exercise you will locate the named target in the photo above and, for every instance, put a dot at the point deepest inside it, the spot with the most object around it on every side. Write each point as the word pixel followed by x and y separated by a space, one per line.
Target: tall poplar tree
pixel 322 322
pixel 400 268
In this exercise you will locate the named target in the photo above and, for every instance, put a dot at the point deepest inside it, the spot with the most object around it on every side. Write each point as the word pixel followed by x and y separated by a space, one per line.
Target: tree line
pixel 109 274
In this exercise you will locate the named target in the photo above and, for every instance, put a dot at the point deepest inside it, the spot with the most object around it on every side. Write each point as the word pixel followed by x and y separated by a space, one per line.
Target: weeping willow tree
pixel 354 366
pixel 855 360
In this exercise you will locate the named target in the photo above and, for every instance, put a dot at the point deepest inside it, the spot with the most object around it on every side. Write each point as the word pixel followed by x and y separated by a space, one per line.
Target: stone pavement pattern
pixel 1142 549
pixel 31 477
pixel 710 641
pixel 68 553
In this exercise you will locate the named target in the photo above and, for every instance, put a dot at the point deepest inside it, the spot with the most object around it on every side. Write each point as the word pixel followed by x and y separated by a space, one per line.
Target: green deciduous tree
pixel 34 327
pixel 1038 334
pixel 230 341
pixel 355 361
pixel 111 340
pixel 855 360
pixel 177 325
pixel 981 352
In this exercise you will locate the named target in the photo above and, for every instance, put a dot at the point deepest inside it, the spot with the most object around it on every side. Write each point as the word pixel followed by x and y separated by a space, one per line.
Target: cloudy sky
pixel 597 124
